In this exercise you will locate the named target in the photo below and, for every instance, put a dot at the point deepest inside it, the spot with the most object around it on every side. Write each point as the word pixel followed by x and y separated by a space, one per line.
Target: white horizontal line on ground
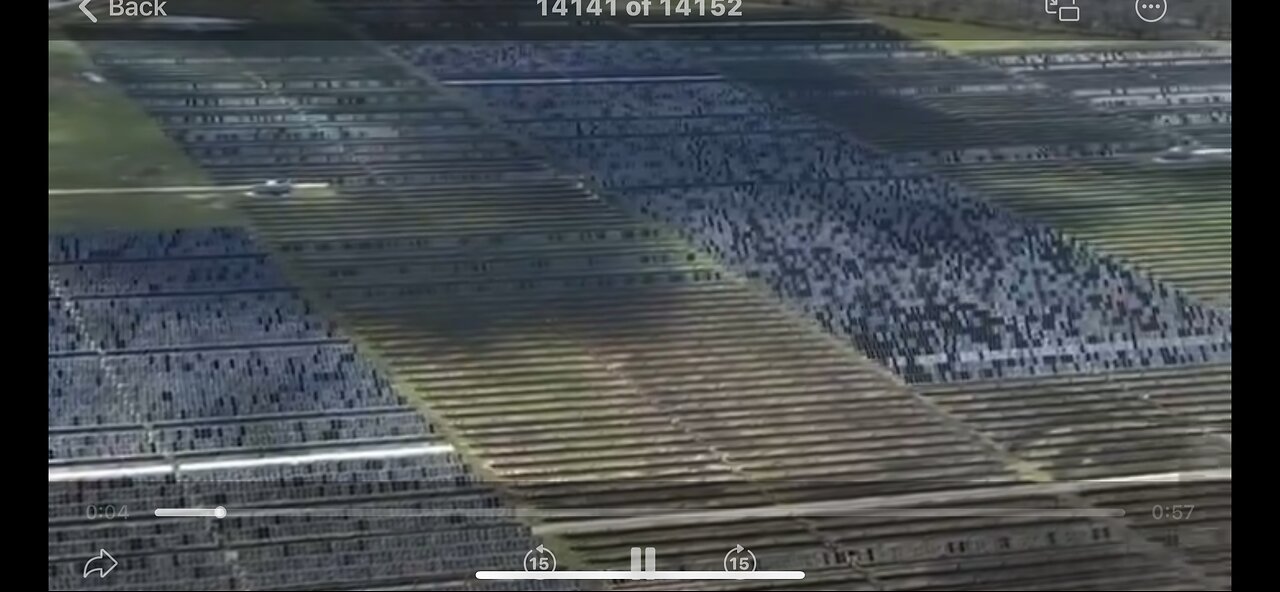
pixel 163 468
pixel 171 189
pixel 298 459
pixel 741 23
pixel 115 472
pixel 639 575
pixel 581 80
pixel 1176 477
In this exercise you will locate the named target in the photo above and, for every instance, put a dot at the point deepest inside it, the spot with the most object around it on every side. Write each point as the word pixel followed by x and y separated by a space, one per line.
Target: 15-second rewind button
pixel 540 559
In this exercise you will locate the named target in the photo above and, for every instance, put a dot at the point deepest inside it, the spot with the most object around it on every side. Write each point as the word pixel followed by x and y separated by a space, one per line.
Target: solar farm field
pixel 570 294
pixel 1081 152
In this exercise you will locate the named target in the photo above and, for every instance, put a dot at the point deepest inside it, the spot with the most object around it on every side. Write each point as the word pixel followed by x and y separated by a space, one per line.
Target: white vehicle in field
pixel 1181 154
pixel 273 188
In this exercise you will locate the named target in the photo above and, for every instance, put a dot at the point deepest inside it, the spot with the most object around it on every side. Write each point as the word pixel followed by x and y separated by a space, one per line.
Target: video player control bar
pixel 639 575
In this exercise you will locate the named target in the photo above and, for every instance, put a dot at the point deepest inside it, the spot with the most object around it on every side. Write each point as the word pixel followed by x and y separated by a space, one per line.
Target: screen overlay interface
pixel 639 294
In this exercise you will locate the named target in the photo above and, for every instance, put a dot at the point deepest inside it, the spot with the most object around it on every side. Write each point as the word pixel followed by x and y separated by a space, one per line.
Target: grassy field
pixel 142 211
pixel 99 138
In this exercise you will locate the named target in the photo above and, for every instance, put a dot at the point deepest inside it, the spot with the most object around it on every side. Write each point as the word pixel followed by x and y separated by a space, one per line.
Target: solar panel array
pixel 581 353
pixel 919 272
pixel 1081 154
pixel 187 353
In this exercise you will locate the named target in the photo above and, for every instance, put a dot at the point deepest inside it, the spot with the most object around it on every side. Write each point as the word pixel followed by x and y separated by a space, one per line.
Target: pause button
pixel 649 563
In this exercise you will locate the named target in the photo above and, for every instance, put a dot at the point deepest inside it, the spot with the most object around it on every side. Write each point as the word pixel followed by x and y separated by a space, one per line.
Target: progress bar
pixel 218 512
pixel 639 575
